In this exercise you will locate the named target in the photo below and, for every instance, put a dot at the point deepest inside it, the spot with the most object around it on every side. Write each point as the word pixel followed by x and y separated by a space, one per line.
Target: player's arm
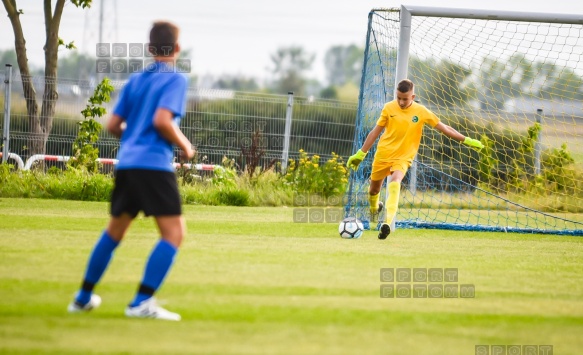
pixel 454 134
pixel 371 138
pixel 164 123
pixel 450 132
pixel 359 156
pixel 115 125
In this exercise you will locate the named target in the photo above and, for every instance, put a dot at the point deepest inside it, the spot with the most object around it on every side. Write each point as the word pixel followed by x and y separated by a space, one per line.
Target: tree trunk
pixel 27 83
pixel 50 95
pixel 34 138
pixel 40 125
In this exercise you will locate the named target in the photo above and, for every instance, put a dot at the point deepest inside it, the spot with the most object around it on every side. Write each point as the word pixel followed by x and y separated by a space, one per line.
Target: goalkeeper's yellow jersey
pixel 403 130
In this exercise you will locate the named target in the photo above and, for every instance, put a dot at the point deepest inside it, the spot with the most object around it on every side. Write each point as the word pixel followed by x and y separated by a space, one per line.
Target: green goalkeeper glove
pixel 355 160
pixel 474 143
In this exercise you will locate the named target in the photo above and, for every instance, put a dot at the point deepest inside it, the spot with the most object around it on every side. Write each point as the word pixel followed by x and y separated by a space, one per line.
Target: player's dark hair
pixel 163 38
pixel 405 85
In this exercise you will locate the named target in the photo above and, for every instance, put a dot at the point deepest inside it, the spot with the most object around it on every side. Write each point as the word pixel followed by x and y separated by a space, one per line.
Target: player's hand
pixel 187 153
pixel 355 160
pixel 474 143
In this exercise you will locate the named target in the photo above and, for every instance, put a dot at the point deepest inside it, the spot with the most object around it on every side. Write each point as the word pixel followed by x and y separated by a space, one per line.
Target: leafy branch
pixel 85 154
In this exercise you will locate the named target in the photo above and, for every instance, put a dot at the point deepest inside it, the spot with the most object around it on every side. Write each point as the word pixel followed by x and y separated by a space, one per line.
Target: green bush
pixel 229 187
pixel 487 163
pixel 307 175
pixel 555 169
pixel 558 173
pixel 72 184
pixel 224 177
pixel 232 197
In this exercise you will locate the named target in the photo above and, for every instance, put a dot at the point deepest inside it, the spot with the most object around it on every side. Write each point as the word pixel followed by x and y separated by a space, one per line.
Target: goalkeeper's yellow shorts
pixel 382 169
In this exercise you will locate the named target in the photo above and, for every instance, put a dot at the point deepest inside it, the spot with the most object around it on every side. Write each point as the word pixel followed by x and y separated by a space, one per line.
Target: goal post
pixel 513 80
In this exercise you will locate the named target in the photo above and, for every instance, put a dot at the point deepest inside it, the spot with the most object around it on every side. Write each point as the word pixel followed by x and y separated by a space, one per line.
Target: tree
pixel 290 64
pixel 329 93
pixel 439 82
pixel 236 83
pixel 9 57
pixel 520 77
pixel 500 80
pixel 76 66
pixel 344 64
pixel 560 83
pixel 40 123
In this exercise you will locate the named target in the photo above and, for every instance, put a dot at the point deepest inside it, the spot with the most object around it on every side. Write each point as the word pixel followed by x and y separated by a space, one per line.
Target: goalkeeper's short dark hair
pixel 405 85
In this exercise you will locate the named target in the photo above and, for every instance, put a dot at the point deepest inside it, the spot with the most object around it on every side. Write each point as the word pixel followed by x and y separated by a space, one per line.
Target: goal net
pixel 512 80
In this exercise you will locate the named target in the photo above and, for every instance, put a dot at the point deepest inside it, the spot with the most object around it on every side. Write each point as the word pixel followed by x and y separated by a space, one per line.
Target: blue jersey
pixel 142 146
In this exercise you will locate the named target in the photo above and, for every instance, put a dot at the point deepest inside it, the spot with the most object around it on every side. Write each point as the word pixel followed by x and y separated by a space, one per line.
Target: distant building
pixel 549 107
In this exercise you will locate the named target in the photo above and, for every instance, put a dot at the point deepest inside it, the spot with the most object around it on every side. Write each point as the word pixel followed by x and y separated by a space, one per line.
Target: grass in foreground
pixel 250 281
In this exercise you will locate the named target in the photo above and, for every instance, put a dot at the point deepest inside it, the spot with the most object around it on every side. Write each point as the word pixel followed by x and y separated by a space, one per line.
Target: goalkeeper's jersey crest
pixel 403 130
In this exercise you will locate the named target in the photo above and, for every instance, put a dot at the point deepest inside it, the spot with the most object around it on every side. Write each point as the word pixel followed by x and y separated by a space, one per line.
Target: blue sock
pixel 157 268
pixel 98 261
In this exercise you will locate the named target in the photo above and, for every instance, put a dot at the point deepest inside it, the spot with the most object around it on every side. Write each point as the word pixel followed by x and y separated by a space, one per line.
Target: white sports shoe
pixel 150 309
pixel 75 307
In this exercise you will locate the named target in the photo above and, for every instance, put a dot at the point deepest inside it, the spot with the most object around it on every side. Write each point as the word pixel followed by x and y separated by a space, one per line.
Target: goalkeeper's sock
pixel 157 268
pixel 98 261
pixel 393 201
pixel 373 201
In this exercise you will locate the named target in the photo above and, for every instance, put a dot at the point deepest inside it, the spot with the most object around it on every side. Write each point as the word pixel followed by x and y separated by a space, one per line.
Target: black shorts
pixel 152 191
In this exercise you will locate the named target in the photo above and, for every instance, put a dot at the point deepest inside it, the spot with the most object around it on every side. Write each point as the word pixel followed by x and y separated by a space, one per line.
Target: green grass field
pixel 250 281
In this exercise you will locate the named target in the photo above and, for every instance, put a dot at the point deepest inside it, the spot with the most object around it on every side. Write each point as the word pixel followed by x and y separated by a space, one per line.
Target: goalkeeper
pixel 402 120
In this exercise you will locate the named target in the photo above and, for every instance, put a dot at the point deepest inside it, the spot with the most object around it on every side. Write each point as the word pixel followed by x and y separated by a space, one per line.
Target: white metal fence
pixel 220 123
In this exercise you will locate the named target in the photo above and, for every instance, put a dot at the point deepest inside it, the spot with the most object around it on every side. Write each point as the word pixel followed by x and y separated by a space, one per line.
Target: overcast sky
pixel 236 37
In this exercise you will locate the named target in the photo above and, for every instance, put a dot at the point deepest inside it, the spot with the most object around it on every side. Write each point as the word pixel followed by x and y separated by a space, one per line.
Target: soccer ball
pixel 350 228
